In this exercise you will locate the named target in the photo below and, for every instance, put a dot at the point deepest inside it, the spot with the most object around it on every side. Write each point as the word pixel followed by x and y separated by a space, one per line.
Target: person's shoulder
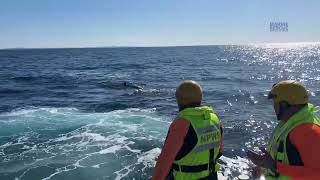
pixel 305 130
pixel 180 121
pixel 307 127
pixel 179 125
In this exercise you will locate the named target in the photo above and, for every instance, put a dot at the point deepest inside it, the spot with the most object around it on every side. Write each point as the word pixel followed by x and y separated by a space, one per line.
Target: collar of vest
pixel 189 106
pixel 194 111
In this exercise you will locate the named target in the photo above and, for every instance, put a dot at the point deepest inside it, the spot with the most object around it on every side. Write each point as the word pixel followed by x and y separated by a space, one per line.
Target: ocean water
pixel 66 114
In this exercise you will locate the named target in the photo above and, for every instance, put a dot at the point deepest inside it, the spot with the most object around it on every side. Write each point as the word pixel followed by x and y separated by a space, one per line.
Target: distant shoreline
pixel 169 46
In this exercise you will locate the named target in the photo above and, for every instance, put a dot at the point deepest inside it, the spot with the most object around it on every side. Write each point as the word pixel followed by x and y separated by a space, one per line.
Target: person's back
pixel 194 140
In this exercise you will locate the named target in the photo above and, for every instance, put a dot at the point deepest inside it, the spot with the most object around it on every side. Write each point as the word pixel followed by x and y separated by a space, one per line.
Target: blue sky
pixel 91 23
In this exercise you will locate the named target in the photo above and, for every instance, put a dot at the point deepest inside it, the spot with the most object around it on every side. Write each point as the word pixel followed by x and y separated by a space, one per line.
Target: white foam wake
pixel 75 140
pixel 65 142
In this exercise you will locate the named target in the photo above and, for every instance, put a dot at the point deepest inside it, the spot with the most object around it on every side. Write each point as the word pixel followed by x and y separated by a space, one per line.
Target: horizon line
pixel 161 46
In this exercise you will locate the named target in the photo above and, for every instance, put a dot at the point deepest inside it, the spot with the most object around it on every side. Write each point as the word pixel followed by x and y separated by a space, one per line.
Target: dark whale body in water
pixel 120 85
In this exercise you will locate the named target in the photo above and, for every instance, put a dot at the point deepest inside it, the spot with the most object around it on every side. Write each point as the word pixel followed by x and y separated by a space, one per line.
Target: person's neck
pixel 291 112
pixel 181 108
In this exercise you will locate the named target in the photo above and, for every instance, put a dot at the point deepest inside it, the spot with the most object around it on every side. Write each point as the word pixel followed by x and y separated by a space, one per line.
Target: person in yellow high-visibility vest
pixel 292 152
pixel 194 140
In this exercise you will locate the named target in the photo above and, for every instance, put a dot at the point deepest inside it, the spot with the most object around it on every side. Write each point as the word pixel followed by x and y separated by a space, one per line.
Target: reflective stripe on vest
pixel 206 147
pixel 281 132
pixel 209 138
pixel 207 127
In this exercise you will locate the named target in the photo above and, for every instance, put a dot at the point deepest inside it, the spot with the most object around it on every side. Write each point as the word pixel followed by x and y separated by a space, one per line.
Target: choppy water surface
pixel 66 114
